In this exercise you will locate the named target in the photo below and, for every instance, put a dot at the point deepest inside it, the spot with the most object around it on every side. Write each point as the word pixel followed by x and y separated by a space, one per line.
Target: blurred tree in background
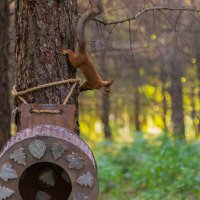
pixel 152 56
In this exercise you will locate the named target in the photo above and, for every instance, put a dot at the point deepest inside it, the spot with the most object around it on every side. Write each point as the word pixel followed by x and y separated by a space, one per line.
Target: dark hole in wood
pixel 45 180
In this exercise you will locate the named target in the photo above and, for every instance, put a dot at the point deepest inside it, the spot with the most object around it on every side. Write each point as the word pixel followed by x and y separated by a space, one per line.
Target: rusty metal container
pixel 47 162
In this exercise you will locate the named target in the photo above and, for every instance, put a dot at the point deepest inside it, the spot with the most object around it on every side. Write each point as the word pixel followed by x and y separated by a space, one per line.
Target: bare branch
pixel 142 12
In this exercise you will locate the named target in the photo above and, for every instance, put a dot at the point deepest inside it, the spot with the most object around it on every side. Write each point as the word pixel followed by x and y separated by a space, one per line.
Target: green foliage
pixel 158 170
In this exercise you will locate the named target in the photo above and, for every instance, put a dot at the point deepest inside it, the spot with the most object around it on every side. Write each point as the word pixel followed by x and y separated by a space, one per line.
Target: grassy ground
pixel 160 170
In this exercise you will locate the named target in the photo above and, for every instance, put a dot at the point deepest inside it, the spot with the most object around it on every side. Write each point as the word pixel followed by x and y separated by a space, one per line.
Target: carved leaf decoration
pixel 75 162
pixel 80 197
pixel 40 195
pixel 19 156
pixel 37 148
pixel 6 172
pixel 5 193
pixel 48 178
pixel 86 180
pixel 58 150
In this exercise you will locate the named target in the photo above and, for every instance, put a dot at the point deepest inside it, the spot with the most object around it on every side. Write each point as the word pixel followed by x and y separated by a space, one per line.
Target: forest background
pixel 146 134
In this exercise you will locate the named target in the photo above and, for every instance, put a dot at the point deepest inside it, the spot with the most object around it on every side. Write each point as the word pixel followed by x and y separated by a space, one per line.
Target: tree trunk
pixel 42 28
pixel 137 108
pixel 177 98
pixel 198 69
pixel 163 76
pixel 5 111
pixel 105 117
pixel 198 77
pixel 193 111
pixel 136 84
pixel 105 100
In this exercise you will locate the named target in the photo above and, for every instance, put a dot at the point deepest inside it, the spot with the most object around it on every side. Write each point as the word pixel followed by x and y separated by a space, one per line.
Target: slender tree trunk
pixel 198 76
pixel 164 107
pixel 177 107
pixel 5 111
pixel 164 102
pixel 193 111
pixel 42 28
pixel 137 108
pixel 105 117
pixel 105 100
pixel 136 84
pixel 177 98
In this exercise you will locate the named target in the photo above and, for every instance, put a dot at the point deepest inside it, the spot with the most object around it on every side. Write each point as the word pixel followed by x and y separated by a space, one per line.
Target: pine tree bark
pixel 5 111
pixel 42 28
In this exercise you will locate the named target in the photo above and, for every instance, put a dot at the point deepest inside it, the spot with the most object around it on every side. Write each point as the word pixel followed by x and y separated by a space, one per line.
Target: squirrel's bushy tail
pixel 96 9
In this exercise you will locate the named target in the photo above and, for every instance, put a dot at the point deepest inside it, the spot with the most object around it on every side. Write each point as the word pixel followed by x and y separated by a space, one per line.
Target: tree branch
pixel 142 12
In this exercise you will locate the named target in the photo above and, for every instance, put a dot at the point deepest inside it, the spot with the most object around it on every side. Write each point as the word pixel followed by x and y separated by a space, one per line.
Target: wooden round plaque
pixel 47 163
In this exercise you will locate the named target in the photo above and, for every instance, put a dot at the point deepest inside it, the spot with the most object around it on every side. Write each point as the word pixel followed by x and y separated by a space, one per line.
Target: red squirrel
pixel 81 58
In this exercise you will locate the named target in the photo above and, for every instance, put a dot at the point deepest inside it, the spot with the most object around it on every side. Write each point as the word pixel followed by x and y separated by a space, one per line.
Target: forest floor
pixel 156 170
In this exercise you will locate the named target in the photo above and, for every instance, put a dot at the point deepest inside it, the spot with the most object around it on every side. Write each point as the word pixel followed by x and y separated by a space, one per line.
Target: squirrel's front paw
pixel 62 51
